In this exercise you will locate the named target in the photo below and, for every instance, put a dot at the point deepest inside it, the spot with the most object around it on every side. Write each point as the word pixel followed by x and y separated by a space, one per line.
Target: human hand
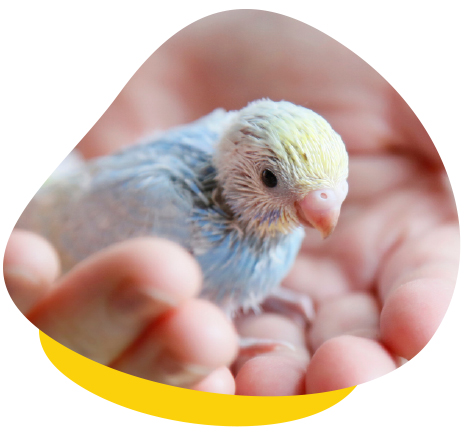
pixel 130 307
pixel 383 280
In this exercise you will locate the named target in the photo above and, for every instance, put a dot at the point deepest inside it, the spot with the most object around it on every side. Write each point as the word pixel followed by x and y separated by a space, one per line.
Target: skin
pixel 381 283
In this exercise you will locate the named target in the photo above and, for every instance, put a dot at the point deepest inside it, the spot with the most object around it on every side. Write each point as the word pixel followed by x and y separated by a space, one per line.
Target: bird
pixel 234 188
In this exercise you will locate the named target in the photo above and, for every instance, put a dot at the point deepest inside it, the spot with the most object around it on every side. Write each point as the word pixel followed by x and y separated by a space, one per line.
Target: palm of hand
pixel 381 283
pixel 383 280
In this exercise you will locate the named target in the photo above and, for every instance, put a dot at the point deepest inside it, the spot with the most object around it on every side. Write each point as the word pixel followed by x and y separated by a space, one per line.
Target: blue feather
pixel 165 188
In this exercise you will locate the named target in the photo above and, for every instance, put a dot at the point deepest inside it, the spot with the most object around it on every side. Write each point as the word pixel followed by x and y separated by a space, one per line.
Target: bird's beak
pixel 321 208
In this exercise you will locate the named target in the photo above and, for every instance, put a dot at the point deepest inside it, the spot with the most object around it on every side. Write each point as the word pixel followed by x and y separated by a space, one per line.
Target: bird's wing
pixel 147 189
pixel 201 134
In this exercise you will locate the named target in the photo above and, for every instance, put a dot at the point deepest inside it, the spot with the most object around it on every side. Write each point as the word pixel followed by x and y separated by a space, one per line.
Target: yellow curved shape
pixel 181 404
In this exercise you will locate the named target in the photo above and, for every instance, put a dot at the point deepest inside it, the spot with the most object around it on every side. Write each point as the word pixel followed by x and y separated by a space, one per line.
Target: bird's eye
pixel 269 179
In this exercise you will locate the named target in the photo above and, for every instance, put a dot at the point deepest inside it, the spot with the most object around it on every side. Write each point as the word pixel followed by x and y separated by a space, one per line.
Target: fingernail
pixel 24 287
pixel 20 273
pixel 173 372
pixel 140 301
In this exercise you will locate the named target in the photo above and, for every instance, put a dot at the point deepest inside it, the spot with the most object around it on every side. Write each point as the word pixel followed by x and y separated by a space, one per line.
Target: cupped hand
pixel 381 283
pixel 131 307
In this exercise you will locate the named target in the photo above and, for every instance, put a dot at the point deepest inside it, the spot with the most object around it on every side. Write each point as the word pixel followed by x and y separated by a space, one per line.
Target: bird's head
pixel 281 165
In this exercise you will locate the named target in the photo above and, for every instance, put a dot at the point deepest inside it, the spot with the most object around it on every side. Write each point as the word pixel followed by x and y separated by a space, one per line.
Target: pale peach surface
pixel 381 283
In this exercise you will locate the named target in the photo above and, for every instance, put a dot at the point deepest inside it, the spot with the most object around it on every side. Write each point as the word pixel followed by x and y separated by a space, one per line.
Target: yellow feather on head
pixel 295 143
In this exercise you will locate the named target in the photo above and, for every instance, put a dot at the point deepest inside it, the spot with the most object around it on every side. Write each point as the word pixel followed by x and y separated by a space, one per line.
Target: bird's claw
pixel 297 305
pixel 251 347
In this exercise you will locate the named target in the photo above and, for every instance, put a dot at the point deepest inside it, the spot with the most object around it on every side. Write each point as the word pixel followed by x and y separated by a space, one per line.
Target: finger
pixel 350 314
pixel 320 278
pixel 279 372
pixel 412 132
pixel 416 285
pixel 271 375
pixel 106 301
pixel 371 175
pixel 271 327
pixel 433 254
pixel 362 121
pixel 220 380
pixel 367 234
pixel 347 361
pixel 30 266
pixel 154 99
pixel 184 347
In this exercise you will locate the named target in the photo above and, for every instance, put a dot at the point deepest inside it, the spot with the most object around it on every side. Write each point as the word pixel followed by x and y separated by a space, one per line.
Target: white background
pixel 62 64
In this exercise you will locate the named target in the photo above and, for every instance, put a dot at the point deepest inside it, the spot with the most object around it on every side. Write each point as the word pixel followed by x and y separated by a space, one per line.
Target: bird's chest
pixel 240 272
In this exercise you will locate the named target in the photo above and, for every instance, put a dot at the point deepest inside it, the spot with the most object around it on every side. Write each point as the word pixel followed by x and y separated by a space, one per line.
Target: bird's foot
pixel 250 347
pixel 297 305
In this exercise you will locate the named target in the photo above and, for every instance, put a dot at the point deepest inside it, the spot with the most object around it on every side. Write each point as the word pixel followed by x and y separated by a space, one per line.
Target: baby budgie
pixel 233 188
